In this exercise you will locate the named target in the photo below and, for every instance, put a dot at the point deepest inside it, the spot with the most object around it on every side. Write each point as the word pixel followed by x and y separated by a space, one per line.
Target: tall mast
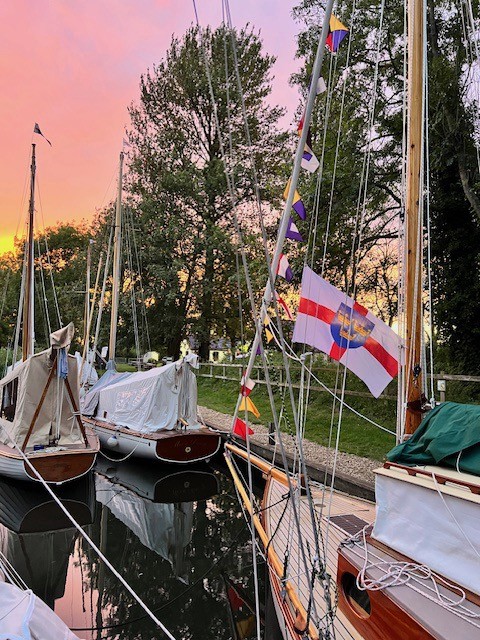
pixel 287 211
pixel 28 335
pixel 117 250
pixel 413 222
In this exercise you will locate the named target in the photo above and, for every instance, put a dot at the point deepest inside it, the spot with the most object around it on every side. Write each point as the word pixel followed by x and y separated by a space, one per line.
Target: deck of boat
pixel 338 518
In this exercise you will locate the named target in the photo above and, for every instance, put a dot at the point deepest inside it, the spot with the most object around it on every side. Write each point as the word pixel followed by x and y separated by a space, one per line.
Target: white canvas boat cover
pixel 440 531
pixel 150 401
pixel 90 401
pixel 24 386
pixel 163 528
pixel 25 617
pixel 89 375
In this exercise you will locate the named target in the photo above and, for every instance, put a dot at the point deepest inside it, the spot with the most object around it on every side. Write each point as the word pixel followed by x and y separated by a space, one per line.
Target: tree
pixel 454 175
pixel 177 181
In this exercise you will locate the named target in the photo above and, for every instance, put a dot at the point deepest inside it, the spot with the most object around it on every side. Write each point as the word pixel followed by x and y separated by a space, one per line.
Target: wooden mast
pixel 117 251
pixel 28 336
pixel 413 223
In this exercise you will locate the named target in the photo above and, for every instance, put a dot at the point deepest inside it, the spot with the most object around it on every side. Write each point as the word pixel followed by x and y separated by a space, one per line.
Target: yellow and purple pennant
pixel 297 203
pixel 336 34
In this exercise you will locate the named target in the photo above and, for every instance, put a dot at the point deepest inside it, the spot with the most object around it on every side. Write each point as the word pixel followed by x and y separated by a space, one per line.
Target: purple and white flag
pixel 283 269
pixel 309 160
pixel 292 231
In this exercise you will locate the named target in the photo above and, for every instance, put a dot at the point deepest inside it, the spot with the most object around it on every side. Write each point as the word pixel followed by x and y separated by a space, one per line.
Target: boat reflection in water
pixel 155 504
pixel 173 536
pixel 35 535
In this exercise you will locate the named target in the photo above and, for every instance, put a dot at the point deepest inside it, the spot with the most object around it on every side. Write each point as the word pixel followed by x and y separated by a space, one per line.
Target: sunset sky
pixel 73 66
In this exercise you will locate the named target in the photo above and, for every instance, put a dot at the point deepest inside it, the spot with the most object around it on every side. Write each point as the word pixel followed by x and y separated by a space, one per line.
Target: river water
pixel 178 537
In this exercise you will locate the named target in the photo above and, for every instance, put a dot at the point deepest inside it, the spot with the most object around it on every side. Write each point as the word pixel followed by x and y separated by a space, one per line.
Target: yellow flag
pixel 247 405
pixel 336 25
pixel 268 333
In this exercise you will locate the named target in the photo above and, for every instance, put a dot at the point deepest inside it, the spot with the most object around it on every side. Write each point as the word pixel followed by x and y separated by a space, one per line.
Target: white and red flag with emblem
pixel 332 322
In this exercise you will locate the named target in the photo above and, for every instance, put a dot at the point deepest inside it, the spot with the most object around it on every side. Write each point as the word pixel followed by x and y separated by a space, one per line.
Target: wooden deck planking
pixel 286 538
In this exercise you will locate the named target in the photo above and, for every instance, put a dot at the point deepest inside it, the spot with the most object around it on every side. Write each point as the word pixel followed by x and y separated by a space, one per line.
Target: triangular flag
pixel 283 304
pixel 284 269
pixel 246 386
pixel 321 86
pixel 292 232
pixel 309 160
pixel 297 204
pixel 240 429
pixel 247 405
pixel 269 335
pixel 337 32
pixel 36 129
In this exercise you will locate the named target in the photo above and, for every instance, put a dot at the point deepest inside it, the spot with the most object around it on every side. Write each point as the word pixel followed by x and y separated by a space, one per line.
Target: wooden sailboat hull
pixel 406 610
pixel 55 467
pixel 175 447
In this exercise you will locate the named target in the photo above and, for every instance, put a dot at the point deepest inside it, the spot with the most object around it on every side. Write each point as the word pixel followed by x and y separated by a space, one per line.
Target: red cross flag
pixel 332 322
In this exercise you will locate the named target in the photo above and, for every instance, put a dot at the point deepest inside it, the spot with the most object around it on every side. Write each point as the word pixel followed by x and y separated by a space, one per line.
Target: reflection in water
pixel 186 558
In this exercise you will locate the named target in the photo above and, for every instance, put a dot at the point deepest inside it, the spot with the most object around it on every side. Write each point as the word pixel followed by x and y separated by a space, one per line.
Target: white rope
pixel 405 573
pixel 88 539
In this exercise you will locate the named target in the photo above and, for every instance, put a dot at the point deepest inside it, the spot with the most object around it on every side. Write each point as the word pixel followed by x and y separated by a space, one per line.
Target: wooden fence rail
pixel 233 372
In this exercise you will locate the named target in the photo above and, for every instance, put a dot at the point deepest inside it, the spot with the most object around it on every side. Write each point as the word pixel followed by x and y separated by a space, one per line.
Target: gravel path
pixel 347 463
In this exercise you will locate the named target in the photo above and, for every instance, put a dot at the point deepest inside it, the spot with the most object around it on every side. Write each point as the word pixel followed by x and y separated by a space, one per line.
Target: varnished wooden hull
pixel 174 447
pixel 55 467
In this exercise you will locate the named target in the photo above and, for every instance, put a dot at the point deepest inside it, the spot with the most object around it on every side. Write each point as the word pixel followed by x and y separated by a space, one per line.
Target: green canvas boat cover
pixel 449 436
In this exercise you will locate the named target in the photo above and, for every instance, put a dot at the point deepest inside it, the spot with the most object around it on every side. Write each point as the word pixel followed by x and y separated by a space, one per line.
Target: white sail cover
pixel 25 617
pixel 89 375
pixel 150 401
pixel 430 526
pixel 29 379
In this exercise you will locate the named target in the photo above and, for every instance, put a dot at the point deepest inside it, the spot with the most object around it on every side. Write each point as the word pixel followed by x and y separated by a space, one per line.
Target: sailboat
pixel 149 414
pixel 408 565
pixel 41 433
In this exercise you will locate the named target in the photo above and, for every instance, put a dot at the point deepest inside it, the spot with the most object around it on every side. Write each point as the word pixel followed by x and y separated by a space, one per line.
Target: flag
pixel 283 269
pixel 336 33
pixel 269 335
pixel 284 305
pixel 321 86
pixel 332 322
pixel 309 160
pixel 292 232
pixel 297 204
pixel 247 405
pixel 36 129
pixel 246 386
pixel 240 429
pixel 125 143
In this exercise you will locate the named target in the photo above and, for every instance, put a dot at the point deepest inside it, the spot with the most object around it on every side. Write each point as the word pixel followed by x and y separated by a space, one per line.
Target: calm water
pixel 179 539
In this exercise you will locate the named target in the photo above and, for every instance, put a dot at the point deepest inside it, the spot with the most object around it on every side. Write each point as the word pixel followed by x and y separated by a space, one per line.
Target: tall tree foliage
pixel 454 203
pixel 177 178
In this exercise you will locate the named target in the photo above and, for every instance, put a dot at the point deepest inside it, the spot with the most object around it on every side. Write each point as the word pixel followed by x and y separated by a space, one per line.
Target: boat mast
pixel 413 222
pixel 117 250
pixel 28 334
